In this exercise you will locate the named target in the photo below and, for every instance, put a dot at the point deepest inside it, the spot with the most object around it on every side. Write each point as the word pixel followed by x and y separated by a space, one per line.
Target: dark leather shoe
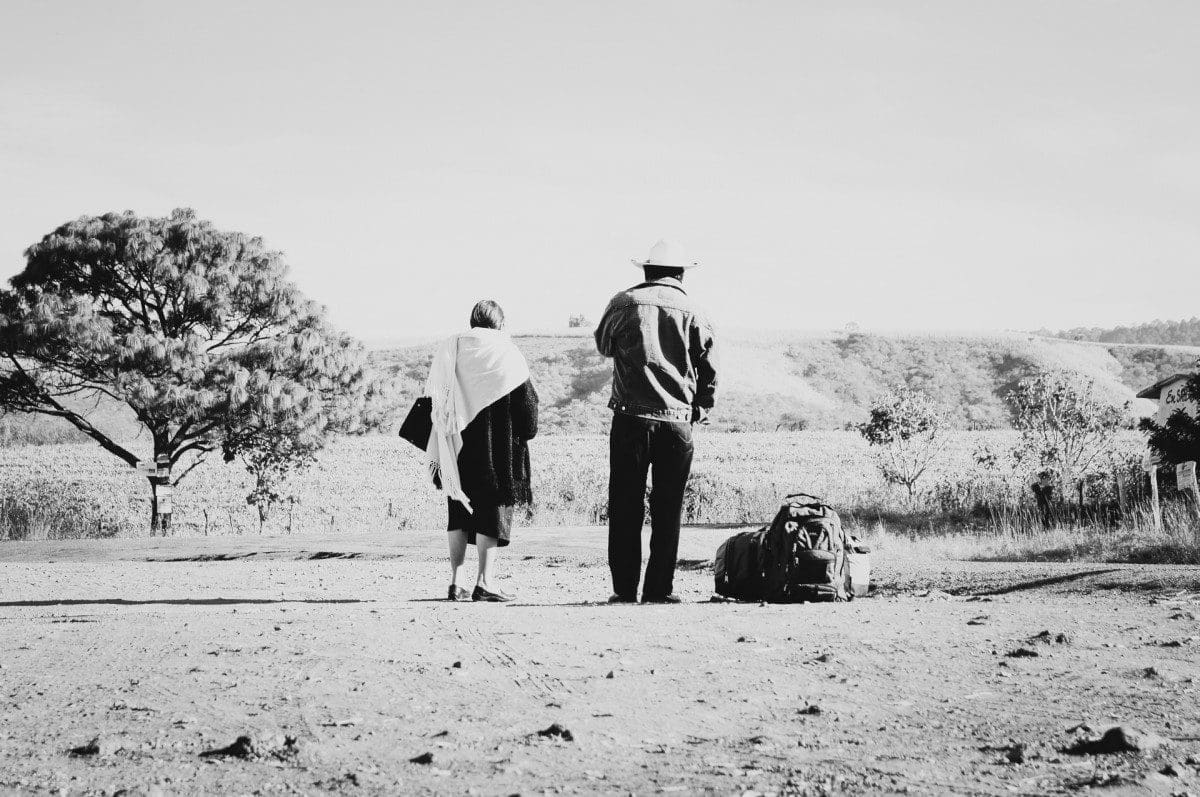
pixel 621 599
pixel 481 594
pixel 672 598
pixel 457 593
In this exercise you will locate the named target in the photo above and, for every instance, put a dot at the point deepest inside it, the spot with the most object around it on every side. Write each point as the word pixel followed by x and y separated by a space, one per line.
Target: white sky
pixel 933 165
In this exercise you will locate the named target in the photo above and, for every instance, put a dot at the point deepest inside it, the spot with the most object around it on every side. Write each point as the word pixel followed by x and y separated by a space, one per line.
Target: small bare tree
pixel 907 433
pixel 1065 426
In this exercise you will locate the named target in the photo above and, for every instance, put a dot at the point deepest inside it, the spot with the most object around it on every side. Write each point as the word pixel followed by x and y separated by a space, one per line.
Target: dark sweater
pixel 494 462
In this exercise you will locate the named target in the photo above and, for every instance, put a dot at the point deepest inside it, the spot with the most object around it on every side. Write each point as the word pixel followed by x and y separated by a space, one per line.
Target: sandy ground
pixel 338 660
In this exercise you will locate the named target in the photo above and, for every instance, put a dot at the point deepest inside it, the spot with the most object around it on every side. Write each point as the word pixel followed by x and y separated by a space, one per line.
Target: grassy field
pixel 379 482
pixel 375 481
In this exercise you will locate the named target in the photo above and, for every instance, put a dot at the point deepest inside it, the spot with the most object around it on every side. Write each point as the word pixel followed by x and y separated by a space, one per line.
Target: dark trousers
pixel 635 446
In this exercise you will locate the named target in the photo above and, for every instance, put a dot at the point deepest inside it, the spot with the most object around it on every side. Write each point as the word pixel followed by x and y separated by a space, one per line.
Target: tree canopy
pixel 1065 427
pixel 907 432
pixel 198 331
pixel 1181 333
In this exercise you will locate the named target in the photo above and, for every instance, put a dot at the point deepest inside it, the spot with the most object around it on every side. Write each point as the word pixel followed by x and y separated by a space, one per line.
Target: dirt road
pixel 335 658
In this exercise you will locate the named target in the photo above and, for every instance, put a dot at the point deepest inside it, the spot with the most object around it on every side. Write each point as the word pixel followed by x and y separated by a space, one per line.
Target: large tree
pixel 198 331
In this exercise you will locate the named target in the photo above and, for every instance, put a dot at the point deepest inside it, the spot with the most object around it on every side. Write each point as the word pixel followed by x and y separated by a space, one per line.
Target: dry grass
pixel 76 490
pixel 1136 540
pixel 43 511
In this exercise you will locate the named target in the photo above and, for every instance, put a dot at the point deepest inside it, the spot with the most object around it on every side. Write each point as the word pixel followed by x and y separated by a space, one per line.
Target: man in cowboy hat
pixel 664 381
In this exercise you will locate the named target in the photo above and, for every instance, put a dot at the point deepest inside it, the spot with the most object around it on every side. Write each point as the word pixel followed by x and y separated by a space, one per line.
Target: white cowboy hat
pixel 666 253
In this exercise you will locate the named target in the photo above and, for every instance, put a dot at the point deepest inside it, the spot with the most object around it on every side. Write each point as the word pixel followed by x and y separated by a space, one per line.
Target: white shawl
pixel 470 371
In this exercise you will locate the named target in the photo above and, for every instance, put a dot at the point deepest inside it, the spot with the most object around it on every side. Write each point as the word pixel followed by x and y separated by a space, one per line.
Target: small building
pixel 1168 393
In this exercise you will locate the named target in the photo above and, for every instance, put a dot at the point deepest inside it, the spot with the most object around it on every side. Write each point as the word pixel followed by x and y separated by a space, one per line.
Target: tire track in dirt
pixel 498 653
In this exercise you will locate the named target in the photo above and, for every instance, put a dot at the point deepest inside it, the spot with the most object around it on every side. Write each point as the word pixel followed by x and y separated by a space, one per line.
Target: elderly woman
pixel 484 412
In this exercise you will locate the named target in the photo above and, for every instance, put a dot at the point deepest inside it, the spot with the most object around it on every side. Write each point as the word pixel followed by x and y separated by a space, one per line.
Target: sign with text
pixel 1173 398
pixel 1185 475
pixel 152 469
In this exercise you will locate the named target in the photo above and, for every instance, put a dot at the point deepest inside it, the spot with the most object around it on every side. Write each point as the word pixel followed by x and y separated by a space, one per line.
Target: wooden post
pixel 1120 493
pixel 1155 507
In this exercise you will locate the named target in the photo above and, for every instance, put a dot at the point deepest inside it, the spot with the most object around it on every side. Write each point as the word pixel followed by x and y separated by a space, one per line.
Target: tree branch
pixel 199 458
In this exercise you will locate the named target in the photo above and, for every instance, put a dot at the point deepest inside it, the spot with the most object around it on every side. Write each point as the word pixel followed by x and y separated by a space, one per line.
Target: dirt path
pixel 166 650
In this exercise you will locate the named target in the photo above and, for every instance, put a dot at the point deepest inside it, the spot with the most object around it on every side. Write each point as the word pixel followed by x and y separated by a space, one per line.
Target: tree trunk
pixel 154 516
pixel 161 506
pixel 160 511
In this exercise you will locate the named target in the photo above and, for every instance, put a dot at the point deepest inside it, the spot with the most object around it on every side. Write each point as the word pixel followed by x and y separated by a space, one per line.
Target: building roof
pixel 1155 390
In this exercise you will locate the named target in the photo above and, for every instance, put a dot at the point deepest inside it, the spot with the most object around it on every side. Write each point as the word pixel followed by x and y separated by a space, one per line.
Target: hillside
pixel 774 380
pixel 777 380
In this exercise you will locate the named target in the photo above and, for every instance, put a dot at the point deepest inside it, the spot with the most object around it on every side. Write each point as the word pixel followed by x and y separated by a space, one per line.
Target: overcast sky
pixel 926 165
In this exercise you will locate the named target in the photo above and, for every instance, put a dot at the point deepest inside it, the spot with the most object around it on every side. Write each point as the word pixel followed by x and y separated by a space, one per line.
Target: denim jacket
pixel 662 349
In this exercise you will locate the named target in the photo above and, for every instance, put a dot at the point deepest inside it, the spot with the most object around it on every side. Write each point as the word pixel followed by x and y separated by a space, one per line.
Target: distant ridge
pixel 1167 333
pixel 773 380
pixel 824 380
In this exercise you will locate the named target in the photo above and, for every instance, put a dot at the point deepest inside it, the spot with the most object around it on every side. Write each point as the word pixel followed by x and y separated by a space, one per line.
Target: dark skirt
pixel 489 520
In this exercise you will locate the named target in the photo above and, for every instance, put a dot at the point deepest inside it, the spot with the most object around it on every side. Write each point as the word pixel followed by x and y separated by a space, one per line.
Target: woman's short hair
pixel 487 314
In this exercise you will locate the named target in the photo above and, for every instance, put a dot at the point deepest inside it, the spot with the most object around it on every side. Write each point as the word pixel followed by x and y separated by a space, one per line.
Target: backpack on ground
pixel 802 556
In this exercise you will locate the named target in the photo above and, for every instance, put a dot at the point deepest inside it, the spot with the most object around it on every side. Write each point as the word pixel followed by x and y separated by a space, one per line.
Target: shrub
pixel 1064 426
pixel 907 431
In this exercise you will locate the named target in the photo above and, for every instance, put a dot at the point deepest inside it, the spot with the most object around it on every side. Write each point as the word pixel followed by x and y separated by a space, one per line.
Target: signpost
pixel 165 495
pixel 1151 467
pixel 162 491
pixel 1185 480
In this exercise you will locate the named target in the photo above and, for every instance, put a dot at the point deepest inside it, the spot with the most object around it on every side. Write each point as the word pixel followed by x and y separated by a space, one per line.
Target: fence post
pixel 1120 493
pixel 1155 507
